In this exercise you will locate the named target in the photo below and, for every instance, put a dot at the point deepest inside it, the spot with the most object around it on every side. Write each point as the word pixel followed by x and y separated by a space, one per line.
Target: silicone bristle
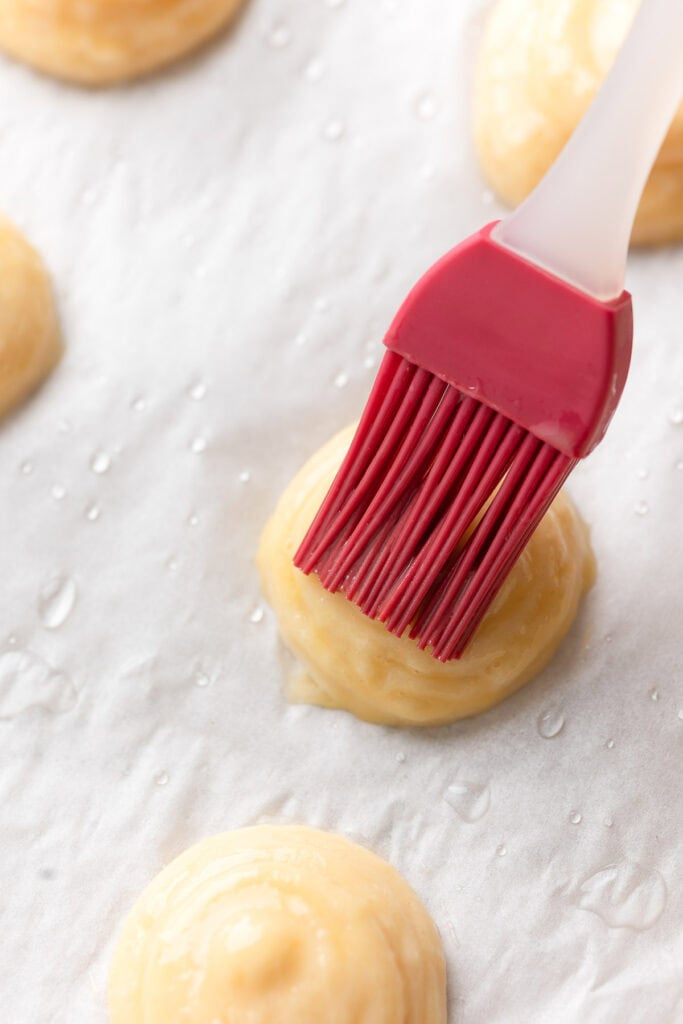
pixel 459 600
pixel 435 501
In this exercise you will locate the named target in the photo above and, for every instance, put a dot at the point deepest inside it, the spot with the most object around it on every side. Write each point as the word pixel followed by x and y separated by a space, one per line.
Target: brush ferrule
pixel 520 340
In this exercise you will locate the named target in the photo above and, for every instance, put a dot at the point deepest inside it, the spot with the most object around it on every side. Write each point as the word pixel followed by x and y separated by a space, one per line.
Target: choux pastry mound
pixel 353 662
pixel 101 42
pixel 278 925
pixel 29 334
pixel 540 64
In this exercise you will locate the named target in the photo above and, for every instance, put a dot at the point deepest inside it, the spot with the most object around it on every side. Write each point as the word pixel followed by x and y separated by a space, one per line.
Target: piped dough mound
pixel 278 925
pixel 353 662
pixel 29 333
pixel 100 42
pixel 540 64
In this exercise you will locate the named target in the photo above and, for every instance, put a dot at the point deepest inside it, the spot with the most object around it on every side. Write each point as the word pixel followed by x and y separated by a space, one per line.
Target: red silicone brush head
pixel 499 377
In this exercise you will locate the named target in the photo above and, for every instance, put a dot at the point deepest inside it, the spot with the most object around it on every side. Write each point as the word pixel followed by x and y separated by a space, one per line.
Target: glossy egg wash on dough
pixel 101 42
pixel 353 662
pixel 30 344
pixel 278 925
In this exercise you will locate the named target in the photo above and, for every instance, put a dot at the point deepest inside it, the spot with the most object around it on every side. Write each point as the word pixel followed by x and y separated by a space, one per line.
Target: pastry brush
pixel 504 367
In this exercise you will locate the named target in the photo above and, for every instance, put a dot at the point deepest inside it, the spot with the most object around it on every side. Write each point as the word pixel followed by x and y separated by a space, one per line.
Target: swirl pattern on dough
pixel 278 925
pixel 540 64
pixel 352 662
pixel 99 42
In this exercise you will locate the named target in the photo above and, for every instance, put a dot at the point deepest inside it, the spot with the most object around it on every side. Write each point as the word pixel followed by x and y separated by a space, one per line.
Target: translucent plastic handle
pixel 577 222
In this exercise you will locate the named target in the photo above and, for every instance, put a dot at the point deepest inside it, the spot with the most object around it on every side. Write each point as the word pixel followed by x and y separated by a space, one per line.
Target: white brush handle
pixel 577 222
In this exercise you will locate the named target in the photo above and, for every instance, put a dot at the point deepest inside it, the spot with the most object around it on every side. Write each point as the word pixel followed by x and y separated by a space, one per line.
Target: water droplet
pixel 333 130
pixel 607 822
pixel 370 362
pixel 680 714
pixel 641 508
pixel 26 468
pixel 203 673
pixel 11 640
pixel 501 851
pixel 200 271
pixel 189 239
pixel 92 513
pixel 100 463
pixel 27 681
pixel 138 404
pixel 161 779
pixel 56 601
pixel 172 564
pixel 64 426
pixel 654 694
pixel 198 391
pixel 427 171
pixel 245 476
pixel 198 445
pixel 193 519
pixel 257 615
pixel 608 638
pixel 471 800
pixel 425 106
pixel 314 70
pixel 278 36
pixel 642 473
pixel 610 744
pixel 551 721
pixel 624 895
pixel 322 304
pixel 58 492
pixel 341 380
pixel 676 416
pixel 576 818
pixel 679 464
pixel 401 758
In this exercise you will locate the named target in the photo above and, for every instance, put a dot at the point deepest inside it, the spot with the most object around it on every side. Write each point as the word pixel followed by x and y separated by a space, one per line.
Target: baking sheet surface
pixel 228 243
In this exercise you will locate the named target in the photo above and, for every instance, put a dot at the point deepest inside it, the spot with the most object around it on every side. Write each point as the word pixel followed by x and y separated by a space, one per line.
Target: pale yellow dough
pixel 352 662
pixel 540 64
pixel 99 42
pixel 29 334
pixel 278 925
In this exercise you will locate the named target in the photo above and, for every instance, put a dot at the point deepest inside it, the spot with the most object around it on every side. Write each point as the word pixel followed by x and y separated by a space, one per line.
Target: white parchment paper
pixel 229 242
